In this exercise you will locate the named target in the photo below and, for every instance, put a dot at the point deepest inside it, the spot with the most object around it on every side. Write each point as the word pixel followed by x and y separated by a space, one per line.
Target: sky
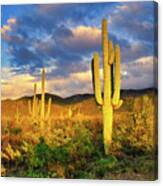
pixel 63 37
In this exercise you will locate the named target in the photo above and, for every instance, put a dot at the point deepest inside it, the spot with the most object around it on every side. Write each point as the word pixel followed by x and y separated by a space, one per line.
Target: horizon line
pixel 28 96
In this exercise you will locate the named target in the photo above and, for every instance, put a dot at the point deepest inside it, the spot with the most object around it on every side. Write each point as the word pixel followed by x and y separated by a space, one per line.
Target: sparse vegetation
pixel 73 147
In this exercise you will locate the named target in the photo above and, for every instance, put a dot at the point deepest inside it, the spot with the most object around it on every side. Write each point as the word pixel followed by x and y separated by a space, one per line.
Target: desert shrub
pixel 134 139
pixel 59 136
pixel 43 160
pixel 87 159
pixel 16 130
pixel 103 165
pixel 11 159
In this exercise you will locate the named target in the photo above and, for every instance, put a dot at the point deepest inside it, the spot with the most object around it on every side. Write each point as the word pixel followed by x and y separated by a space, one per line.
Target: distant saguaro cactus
pixel 111 93
pixel 37 108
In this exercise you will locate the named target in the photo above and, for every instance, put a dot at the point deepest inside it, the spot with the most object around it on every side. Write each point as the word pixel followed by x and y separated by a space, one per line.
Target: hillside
pixel 81 97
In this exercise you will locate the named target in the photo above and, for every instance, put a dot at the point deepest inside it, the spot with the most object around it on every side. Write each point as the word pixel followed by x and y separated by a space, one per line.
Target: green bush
pixel 16 130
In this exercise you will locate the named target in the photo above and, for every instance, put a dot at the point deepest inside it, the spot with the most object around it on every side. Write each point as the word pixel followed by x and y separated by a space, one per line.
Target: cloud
pixel 8 28
pixel 11 21
pixel 5 28
pixel 123 7
pixel 134 50
pixel 75 83
pixel 65 47
pixel 66 25
pixel 139 73
pixel 82 76
pixel 135 19
pixel 15 85
pixel 26 56
pixel 18 85
pixel 84 39
pixel 63 38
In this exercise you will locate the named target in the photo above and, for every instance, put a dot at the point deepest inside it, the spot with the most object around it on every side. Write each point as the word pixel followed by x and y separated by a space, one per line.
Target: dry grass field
pixel 70 145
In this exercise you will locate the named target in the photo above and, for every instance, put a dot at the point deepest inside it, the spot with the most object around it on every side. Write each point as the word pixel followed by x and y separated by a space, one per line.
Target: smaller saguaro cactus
pixel 37 107
pixel 111 86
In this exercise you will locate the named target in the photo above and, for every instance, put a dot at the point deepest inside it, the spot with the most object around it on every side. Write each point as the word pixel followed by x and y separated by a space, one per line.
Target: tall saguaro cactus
pixel 111 86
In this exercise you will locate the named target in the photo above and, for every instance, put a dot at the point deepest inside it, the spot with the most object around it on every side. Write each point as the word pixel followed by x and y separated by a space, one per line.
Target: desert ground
pixel 70 144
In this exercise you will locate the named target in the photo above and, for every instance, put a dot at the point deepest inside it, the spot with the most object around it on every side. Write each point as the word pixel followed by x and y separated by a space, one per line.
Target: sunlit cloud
pixel 138 73
pixel 86 32
pixel 123 7
pixel 84 38
pixel 11 21
pixel 5 28
pixel 8 28
pixel 15 85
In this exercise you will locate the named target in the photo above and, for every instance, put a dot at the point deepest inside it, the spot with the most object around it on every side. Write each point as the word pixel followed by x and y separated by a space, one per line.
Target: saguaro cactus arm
pixel 110 53
pixel 96 75
pixel 110 62
pixel 116 96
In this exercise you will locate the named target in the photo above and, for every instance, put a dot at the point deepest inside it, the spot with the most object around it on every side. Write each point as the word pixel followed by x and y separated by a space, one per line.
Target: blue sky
pixel 63 37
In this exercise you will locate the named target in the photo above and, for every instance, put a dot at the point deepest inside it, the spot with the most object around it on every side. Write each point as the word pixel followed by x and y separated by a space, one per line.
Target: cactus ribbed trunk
pixel 107 107
pixel 107 127
pixel 106 67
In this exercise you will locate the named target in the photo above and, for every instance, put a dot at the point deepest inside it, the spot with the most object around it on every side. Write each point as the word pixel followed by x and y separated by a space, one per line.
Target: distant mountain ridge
pixel 81 97
pixel 59 100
